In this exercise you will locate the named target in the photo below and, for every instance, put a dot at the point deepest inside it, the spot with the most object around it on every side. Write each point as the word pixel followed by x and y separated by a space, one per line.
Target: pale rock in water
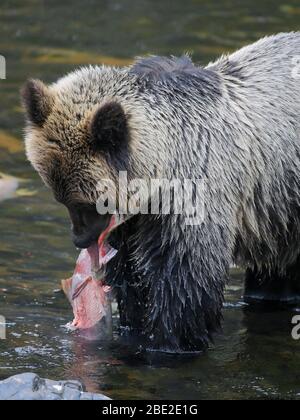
pixel 29 386
pixel 8 187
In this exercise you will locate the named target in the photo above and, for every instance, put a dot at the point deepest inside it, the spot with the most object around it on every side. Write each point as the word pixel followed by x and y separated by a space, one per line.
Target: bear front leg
pixel 186 273
pixel 271 285
pixel 181 321
pixel 131 306
pixel 122 276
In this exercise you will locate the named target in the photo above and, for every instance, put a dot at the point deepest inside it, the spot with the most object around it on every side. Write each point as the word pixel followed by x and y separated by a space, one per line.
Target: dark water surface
pixel 256 357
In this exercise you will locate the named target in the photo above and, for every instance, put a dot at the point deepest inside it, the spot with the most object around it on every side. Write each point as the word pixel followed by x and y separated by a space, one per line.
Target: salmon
pixel 86 290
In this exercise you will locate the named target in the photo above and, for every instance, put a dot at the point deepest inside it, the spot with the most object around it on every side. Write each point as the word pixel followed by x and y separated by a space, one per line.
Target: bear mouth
pixel 87 225
pixel 101 252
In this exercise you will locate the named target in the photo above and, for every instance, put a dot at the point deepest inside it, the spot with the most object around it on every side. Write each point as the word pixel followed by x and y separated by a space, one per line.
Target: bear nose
pixel 83 242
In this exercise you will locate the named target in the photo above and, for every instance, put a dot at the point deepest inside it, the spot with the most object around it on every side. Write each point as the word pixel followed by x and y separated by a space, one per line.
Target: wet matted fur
pixel 235 124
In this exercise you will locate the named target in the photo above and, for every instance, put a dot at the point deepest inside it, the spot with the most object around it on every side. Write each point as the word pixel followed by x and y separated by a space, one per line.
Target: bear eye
pixel 54 141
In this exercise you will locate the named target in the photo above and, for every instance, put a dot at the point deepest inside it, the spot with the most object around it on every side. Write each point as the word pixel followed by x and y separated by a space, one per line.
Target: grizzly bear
pixel 235 125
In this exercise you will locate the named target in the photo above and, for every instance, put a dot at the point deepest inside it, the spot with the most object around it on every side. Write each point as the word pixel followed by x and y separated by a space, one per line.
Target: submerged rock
pixel 29 386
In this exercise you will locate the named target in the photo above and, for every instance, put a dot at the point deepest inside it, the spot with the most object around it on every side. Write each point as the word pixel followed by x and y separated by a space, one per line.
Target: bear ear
pixel 109 128
pixel 37 101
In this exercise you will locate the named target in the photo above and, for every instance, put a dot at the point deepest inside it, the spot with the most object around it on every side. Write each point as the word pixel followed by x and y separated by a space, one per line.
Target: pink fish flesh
pixel 86 289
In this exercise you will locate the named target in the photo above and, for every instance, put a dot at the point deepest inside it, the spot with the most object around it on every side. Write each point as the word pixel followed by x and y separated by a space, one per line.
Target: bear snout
pixel 86 224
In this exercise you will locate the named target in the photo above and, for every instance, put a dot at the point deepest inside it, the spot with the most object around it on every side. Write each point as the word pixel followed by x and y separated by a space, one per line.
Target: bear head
pixel 80 131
